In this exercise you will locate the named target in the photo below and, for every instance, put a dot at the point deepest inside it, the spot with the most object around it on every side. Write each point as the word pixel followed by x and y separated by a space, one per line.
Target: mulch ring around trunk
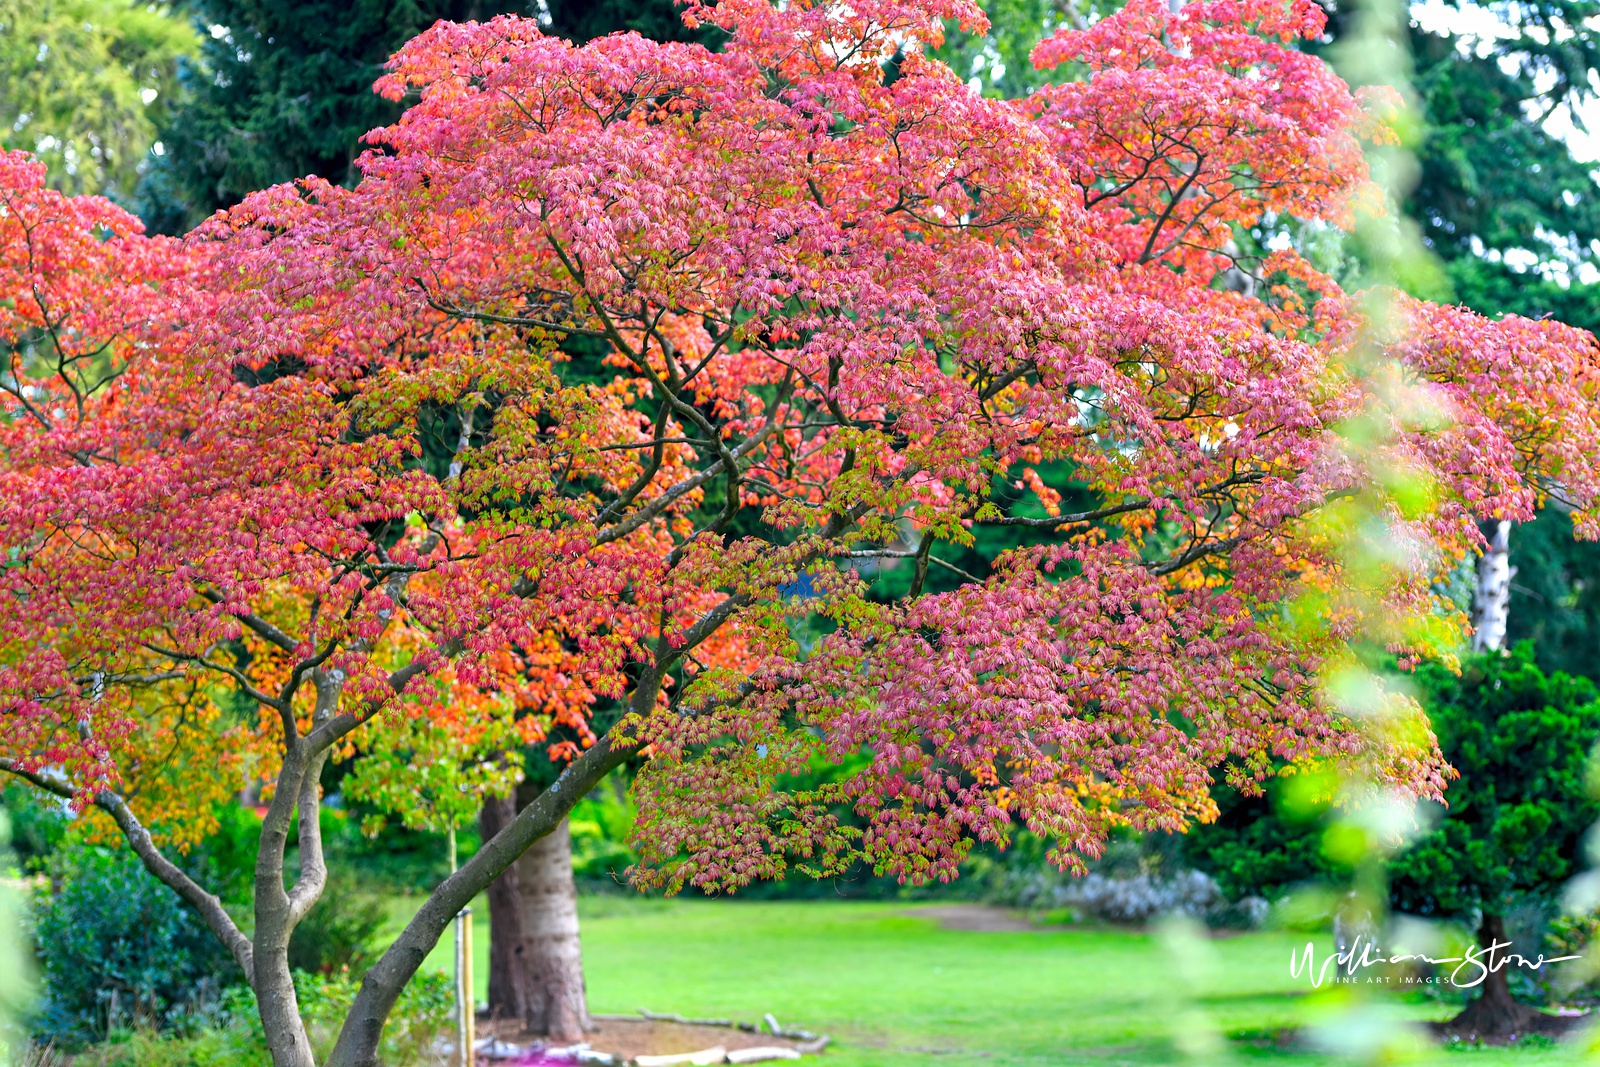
pixel 1506 1027
pixel 649 1039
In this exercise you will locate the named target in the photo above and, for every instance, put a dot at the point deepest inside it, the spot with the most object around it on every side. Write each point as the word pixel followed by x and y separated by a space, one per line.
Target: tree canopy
pixel 625 364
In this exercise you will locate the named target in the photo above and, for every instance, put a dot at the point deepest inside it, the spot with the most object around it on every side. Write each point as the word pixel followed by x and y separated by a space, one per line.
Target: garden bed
pixel 624 1039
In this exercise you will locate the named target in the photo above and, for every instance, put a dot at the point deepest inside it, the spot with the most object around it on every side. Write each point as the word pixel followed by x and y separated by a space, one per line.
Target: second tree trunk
pixel 1495 1016
pixel 535 957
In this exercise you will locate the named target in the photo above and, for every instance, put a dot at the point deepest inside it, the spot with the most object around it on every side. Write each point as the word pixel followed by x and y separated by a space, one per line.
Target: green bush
pixel 38 823
pixel 420 1018
pixel 1521 740
pixel 118 948
pixel 1265 845
pixel 600 827
pixel 232 1036
pixel 229 854
pixel 337 934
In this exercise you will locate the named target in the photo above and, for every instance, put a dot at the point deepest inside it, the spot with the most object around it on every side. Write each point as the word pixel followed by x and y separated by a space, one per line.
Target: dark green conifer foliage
pixel 1521 740
pixel 285 88
pixel 1513 824
pixel 1555 595
pixel 1495 186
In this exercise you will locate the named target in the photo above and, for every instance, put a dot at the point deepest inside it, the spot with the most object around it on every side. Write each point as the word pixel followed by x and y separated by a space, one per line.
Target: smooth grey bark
pixel 552 953
pixel 275 908
pixel 278 910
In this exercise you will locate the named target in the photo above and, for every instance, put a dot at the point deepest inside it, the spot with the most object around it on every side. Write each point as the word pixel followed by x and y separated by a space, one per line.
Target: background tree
pixel 432 764
pixel 1000 62
pixel 443 761
pixel 839 307
pixel 284 89
pixel 85 85
pixel 1521 740
pixel 535 950
pixel 1510 830
pixel 580 21
pixel 1515 219
pixel 1555 596
pixel 1499 196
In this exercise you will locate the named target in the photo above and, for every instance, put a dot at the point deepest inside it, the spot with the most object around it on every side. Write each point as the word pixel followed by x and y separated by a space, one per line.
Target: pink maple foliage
pixel 793 411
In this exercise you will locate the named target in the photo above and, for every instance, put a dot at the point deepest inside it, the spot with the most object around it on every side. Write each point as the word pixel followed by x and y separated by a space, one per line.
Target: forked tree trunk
pixel 535 956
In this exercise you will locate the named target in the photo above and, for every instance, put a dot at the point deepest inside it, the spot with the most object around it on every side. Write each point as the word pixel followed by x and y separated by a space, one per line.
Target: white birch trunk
pixel 1491 604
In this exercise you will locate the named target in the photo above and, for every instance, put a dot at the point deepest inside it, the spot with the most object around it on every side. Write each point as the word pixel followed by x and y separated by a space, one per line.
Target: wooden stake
pixel 469 1013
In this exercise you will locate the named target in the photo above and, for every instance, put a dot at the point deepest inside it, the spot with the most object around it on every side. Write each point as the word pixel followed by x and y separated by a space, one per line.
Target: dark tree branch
pixel 257 625
pixel 1063 520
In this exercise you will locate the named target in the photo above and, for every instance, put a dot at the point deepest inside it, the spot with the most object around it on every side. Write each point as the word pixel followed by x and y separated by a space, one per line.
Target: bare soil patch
pixel 629 1037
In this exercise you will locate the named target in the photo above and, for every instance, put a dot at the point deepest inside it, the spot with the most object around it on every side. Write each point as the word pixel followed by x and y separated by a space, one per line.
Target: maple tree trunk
pixel 277 910
pixel 279 1009
pixel 551 952
pixel 508 978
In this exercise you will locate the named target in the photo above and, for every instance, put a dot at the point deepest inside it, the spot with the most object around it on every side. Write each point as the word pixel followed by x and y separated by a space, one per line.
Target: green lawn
pixel 897 989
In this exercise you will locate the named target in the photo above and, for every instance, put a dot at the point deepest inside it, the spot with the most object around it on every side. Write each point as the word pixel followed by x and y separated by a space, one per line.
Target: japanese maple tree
pixel 648 354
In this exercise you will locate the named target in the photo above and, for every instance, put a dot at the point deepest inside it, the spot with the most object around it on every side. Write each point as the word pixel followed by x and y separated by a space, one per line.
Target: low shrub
pixel 38 824
pixel 417 1027
pixel 1143 897
pixel 119 949
pixel 338 933
pixel 600 827
pixel 229 855
pixel 231 1036
pixel 1140 878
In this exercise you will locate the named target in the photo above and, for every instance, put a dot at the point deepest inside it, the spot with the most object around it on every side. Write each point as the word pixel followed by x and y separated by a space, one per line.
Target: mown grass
pixel 896 988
